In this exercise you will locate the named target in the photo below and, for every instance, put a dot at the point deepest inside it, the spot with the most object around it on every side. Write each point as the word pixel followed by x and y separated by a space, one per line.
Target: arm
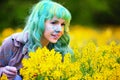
pixel 5 55
pixel 3 61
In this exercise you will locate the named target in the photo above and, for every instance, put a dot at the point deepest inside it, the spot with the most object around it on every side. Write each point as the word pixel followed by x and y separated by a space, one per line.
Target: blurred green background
pixel 13 13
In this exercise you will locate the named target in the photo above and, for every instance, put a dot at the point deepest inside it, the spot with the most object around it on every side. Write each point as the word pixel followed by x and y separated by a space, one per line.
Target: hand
pixel 10 71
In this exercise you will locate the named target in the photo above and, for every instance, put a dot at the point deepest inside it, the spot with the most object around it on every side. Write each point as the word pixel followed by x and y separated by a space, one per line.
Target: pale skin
pixel 54 29
pixel 10 71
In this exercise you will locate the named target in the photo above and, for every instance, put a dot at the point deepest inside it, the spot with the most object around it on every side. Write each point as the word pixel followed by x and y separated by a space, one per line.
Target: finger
pixel 11 69
pixel 10 77
pixel 7 72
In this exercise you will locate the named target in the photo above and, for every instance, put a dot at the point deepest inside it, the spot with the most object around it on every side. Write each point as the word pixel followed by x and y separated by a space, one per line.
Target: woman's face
pixel 54 29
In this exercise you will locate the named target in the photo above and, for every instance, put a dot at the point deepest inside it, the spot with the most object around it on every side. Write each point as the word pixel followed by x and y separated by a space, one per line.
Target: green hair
pixel 42 11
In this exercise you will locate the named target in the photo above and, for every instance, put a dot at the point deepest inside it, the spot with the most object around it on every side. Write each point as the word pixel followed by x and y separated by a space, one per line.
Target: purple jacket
pixel 12 51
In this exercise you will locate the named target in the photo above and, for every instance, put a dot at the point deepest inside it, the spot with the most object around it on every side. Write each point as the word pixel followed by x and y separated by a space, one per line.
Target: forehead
pixel 57 19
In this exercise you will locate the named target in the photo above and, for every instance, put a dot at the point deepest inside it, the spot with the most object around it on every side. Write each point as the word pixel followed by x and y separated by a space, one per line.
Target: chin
pixel 53 41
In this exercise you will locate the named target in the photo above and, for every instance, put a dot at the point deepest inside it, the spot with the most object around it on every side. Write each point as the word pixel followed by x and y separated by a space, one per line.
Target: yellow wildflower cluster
pixel 89 63
pixel 48 65
pixel 99 63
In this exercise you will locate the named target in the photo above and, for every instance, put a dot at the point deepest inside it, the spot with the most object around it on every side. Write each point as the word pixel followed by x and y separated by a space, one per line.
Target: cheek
pixel 46 34
pixel 47 31
pixel 47 28
pixel 62 32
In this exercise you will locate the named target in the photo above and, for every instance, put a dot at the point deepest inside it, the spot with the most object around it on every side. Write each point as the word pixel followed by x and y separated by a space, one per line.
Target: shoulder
pixel 10 47
pixel 19 38
pixel 5 51
pixel 7 42
pixel 10 42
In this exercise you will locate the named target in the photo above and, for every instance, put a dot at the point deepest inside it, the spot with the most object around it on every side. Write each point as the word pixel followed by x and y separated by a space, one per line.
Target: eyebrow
pixel 55 20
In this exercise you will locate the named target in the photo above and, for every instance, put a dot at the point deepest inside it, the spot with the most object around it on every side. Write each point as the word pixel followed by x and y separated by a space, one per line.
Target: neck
pixel 44 42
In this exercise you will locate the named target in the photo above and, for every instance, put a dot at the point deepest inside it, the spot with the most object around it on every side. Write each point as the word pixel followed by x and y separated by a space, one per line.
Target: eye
pixel 63 24
pixel 54 22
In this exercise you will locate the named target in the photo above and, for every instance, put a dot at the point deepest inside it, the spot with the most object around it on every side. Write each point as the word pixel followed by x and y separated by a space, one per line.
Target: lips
pixel 55 36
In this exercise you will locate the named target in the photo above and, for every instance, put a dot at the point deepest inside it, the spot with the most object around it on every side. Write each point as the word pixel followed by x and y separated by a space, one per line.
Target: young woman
pixel 47 25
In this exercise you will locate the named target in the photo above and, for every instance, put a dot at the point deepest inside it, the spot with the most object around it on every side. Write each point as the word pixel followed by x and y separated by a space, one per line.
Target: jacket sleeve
pixel 12 51
pixel 5 52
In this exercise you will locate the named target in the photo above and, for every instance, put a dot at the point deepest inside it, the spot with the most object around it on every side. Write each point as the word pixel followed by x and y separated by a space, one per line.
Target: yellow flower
pixel 4 77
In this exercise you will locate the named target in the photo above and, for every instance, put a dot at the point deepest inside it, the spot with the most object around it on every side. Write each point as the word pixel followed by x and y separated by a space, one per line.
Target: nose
pixel 58 29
